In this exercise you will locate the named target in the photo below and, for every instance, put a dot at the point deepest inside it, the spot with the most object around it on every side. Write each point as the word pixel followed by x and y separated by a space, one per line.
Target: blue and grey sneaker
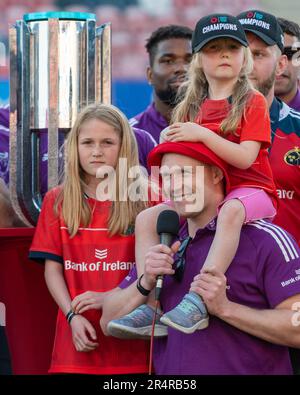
pixel 137 324
pixel 189 315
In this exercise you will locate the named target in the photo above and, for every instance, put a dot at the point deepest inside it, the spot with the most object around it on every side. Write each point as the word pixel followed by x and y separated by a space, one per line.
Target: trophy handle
pixel 60 62
pixel 53 100
pixel 21 176
pixel 103 62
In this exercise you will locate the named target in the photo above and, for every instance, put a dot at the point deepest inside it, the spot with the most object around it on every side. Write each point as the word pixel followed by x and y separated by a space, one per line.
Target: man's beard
pixel 168 96
pixel 265 86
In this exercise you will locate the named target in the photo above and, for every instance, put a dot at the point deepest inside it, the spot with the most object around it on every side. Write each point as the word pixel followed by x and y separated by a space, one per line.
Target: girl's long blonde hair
pixel 75 208
pixel 193 92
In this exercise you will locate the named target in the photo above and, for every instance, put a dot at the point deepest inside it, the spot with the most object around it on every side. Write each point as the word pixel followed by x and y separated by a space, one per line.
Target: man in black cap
pixel 266 42
pixel 263 25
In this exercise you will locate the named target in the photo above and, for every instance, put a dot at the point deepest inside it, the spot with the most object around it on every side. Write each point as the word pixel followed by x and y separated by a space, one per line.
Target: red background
pixel 30 309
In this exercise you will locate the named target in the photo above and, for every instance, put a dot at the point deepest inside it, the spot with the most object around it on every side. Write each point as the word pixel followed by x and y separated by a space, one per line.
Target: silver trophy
pixel 59 63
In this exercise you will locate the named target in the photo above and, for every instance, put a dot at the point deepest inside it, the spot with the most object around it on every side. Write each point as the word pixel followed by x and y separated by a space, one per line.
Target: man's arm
pixel 273 325
pixel 276 326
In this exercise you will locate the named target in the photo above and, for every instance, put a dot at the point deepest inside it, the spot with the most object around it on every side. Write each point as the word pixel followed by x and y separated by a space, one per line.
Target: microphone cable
pixel 152 337
pixel 167 228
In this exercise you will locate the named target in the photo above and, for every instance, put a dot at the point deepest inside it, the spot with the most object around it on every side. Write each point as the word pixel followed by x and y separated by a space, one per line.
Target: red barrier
pixel 30 310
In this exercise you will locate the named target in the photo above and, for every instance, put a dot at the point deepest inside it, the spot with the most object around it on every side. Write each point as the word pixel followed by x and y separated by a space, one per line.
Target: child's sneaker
pixel 137 324
pixel 189 315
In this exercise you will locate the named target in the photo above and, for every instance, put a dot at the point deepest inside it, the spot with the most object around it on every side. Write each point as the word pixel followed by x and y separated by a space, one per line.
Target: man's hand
pixel 81 329
pixel 159 261
pixel 211 285
pixel 186 131
pixel 87 301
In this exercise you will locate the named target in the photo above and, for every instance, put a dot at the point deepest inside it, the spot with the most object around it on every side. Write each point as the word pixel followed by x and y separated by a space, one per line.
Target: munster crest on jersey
pixel 292 157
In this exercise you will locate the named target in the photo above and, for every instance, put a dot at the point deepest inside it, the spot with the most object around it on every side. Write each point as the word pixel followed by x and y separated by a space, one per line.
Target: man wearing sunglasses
pixel 287 84
pixel 252 321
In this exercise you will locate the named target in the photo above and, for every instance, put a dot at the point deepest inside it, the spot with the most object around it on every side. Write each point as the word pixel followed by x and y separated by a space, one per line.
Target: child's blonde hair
pixel 75 208
pixel 195 90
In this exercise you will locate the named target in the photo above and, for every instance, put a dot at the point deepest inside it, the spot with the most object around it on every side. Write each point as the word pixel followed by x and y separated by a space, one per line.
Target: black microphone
pixel 167 227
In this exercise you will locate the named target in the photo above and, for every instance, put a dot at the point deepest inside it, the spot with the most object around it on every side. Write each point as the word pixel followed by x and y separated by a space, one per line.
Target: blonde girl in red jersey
pixel 230 118
pixel 88 245
pixel 219 108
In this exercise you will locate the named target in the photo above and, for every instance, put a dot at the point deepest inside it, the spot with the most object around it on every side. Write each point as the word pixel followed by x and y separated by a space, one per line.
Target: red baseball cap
pixel 197 151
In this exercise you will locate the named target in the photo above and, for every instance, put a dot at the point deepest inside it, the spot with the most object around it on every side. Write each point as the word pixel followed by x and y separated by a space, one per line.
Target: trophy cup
pixel 59 63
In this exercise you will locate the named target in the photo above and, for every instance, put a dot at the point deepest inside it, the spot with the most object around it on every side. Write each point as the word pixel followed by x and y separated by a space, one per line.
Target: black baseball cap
pixel 216 26
pixel 263 25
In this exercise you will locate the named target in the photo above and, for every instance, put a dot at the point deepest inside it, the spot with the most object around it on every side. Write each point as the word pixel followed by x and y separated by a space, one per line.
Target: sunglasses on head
pixel 291 51
pixel 179 263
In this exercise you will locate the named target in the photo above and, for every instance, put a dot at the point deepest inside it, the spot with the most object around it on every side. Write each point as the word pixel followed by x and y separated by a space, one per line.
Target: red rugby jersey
pixel 254 126
pixel 92 261
pixel 285 162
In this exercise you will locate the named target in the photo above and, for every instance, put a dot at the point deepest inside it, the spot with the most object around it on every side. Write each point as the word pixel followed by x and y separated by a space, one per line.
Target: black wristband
pixel 141 289
pixel 70 315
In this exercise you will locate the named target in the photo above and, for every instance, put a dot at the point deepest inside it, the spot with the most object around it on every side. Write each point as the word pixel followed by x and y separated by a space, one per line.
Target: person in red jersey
pixel 86 240
pixel 270 61
pixel 285 162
